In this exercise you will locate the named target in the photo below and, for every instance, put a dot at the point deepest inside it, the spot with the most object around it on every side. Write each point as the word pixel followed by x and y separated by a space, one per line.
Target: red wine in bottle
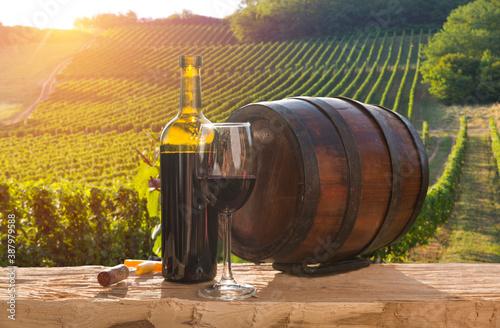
pixel 189 224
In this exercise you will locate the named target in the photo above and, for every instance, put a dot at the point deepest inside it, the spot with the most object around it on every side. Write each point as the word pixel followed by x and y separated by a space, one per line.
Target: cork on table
pixel 382 295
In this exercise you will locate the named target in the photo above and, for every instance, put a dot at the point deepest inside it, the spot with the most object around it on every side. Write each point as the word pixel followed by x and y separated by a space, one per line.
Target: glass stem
pixel 227 275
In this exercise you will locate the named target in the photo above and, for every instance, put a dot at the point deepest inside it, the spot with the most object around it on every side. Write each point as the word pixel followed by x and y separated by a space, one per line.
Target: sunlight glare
pixel 62 13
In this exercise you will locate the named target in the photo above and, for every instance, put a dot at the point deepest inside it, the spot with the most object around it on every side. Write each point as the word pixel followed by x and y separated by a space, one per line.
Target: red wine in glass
pixel 227 193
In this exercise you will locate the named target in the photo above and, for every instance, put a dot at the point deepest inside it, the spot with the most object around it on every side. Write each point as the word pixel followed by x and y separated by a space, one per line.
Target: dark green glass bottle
pixel 189 224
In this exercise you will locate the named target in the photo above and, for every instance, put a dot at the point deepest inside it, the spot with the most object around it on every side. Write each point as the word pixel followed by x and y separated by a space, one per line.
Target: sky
pixel 62 13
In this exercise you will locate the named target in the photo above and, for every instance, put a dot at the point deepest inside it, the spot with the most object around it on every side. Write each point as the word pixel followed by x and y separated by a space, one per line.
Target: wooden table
pixel 382 295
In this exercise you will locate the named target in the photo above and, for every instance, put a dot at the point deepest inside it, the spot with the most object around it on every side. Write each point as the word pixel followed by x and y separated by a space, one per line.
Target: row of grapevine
pixel 302 81
pixel 388 86
pixel 279 50
pixel 495 141
pixel 379 80
pixel 361 89
pixel 399 95
pixel 69 224
pixel 411 101
pixel 330 51
pixel 438 205
pixel 425 133
pixel 337 89
pixel 361 72
pixel 354 66
pixel 333 56
pixel 274 81
pixel 306 83
pixel 95 158
pixel 172 35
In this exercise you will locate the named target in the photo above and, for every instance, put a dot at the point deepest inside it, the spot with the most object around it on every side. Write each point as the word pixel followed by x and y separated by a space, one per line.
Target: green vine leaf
pixel 153 203
pixel 141 180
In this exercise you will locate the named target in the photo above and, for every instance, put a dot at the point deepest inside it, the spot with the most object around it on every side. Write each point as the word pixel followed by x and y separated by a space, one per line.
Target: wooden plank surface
pixel 382 295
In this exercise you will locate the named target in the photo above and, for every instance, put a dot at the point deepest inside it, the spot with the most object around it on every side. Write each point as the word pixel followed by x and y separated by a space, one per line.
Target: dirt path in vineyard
pixel 473 232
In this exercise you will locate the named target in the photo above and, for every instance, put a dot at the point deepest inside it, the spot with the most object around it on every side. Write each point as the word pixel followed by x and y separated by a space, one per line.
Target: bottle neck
pixel 190 103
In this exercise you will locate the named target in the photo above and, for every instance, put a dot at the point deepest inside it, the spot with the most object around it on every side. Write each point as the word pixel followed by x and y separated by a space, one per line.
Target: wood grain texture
pixel 382 295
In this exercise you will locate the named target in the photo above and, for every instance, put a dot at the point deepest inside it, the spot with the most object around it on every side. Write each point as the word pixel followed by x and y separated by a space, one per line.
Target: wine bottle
pixel 189 224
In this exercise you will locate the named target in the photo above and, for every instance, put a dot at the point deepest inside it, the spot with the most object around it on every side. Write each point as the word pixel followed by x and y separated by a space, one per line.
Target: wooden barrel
pixel 336 178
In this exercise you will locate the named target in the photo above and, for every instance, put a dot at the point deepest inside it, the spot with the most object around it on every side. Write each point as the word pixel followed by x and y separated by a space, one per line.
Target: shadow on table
pixel 183 290
pixel 119 290
pixel 374 283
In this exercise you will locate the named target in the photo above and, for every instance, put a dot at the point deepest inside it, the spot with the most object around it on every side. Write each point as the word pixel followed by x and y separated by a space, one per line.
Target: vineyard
pixel 127 80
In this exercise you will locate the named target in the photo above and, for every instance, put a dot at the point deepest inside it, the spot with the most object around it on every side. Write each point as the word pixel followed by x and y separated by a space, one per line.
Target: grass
pixel 438 116
pixel 24 67
pixel 447 118
pixel 8 110
pixel 443 142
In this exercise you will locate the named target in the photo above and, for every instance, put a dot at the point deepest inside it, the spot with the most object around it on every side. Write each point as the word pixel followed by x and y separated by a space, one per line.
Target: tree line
pixel 266 20
pixel 108 20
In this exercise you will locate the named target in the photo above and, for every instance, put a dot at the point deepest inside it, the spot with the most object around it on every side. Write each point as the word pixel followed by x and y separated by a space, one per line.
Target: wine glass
pixel 226 175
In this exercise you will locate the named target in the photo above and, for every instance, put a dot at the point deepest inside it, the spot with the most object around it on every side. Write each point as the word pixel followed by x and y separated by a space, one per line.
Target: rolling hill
pixel 127 80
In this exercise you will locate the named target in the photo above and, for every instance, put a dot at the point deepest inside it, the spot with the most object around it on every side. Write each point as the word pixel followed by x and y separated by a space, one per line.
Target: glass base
pixel 228 291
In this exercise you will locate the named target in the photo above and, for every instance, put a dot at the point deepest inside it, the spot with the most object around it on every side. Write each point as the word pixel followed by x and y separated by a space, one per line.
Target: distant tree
pixel 83 22
pixel 107 20
pixel 112 20
pixel 186 17
pixel 131 17
pixel 463 60
pixel 145 20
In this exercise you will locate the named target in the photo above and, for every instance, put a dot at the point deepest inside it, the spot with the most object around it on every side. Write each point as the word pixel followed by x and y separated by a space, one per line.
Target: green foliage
pixel 495 141
pixel 425 134
pixel 489 77
pixel 355 82
pixel 411 102
pixel 94 158
pixel 399 95
pixel 68 224
pixel 438 204
pixel 389 84
pixel 383 70
pixel 453 78
pixel 147 185
pixel 268 20
pixel 362 88
pixel 463 60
